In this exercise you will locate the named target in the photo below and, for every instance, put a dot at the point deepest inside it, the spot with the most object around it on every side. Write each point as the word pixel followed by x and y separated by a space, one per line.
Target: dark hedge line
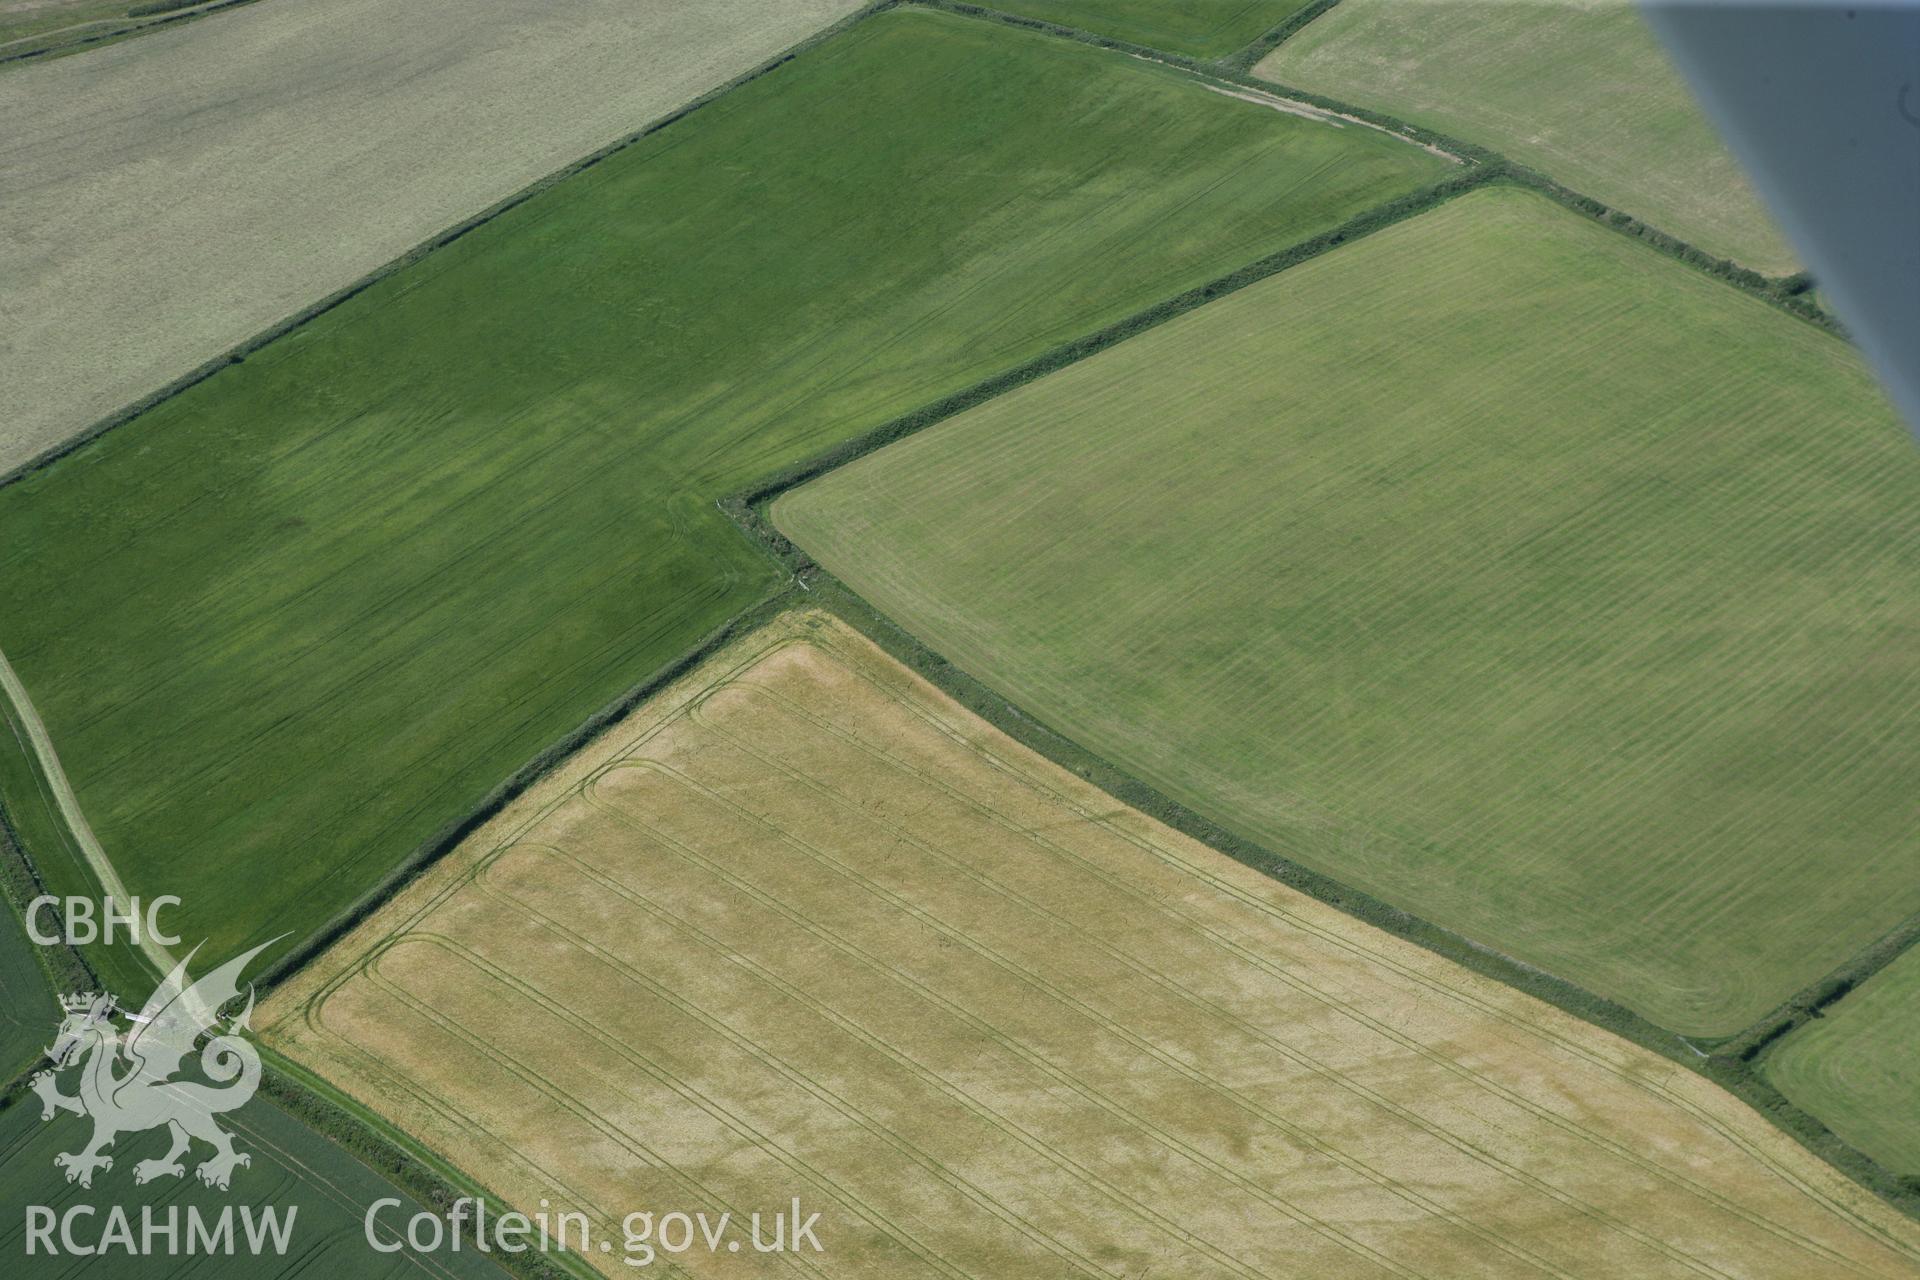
pixel 1786 292
pixel 1243 60
pixel 435 1183
pixel 159 6
pixel 828 592
pixel 1902 1191
pixel 1225 72
pixel 20 883
pixel 444 841
pixel 1750 1046
pixel 75 43
pixel 1738 1076
pixel 1041 25
pixel 440 239
pixel 1730 1062
pixel 742 506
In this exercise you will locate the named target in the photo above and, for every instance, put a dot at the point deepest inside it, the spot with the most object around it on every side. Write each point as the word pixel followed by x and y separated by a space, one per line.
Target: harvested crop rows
pixel 804 926
pixel 1495 564
pixel 1578 89
pixel 292 622
pixel 170 197
pixel 1857 1067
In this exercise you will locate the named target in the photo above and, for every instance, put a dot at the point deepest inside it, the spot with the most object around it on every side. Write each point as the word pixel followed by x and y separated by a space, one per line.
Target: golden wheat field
pixel 803 927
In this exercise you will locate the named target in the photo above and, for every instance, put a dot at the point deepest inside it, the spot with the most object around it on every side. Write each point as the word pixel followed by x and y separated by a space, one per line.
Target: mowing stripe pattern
pixel 1494 565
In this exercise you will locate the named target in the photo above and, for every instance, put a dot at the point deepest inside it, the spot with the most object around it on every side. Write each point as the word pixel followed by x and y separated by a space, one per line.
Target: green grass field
pixel 1578 89
pixel 1495 564
pixel 291 623
pixel 1199 28
pixel 1857 1068
pixel 292 1167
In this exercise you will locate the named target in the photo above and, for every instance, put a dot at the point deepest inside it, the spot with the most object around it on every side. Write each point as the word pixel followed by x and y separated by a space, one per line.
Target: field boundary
pixel 743 506
pixel 1737 1075
pixel 1789 293
pixel 67 804
pixel 156 18
pixel 1731 1062
pixel 336 1119
pixel 429 851
pixel 395 1155
pixel 63 966
pixel 444 841
pixel 1220 71
pixel 440 239
pixel 1242 60
pixel 1757 1040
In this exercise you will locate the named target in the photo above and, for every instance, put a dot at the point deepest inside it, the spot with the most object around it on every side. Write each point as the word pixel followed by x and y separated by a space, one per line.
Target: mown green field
pixel 1858 1068
pixel 1495 564
pixel 291 623
pixel 292 1168
pixel 1200 28
pixel 1579 89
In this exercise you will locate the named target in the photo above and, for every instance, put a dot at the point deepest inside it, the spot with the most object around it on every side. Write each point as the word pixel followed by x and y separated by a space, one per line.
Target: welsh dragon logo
pixel 127 1077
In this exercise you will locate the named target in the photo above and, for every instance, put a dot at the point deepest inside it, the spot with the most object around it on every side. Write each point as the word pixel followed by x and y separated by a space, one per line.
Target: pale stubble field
pixel 170 197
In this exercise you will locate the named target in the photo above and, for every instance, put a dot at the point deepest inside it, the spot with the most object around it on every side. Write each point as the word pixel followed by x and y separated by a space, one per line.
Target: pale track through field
pixel 740 682
pixel 69 808
pixel 168 17
pixel 1013 775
